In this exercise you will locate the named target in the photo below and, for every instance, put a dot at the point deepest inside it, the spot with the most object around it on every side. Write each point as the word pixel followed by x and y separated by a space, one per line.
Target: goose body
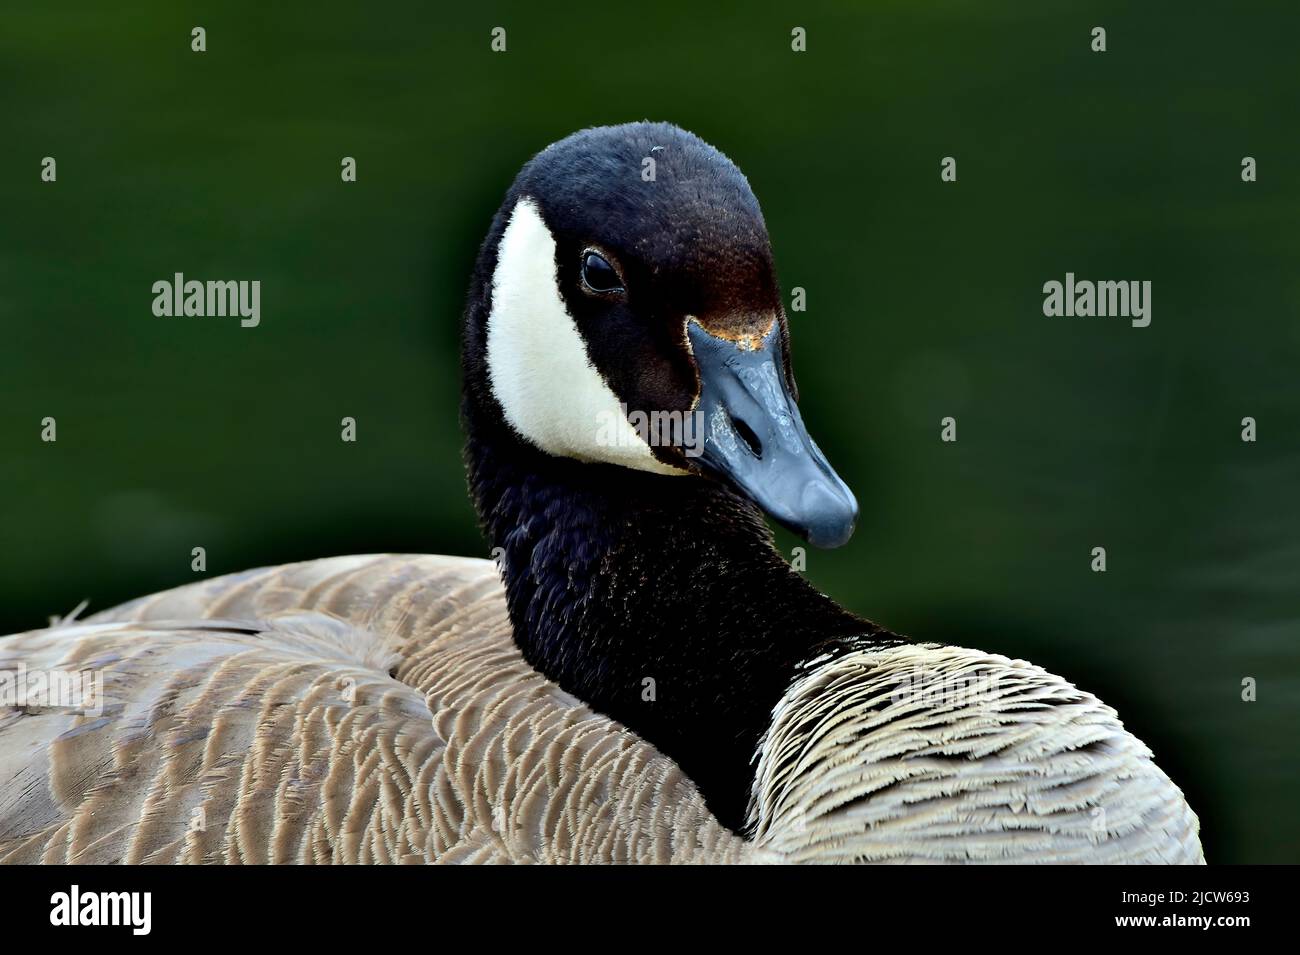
pixel 642 678
pixel 375 709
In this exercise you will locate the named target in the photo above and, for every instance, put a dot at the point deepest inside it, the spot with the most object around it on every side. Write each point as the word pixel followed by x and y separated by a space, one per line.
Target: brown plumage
pixel 356 709
pixel 375 709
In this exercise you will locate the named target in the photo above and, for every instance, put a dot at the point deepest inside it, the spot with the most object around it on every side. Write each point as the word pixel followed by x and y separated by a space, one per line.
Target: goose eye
pixel 599 274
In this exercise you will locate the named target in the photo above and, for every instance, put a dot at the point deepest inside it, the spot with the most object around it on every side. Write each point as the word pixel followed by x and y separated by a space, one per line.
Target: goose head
pixel 630 315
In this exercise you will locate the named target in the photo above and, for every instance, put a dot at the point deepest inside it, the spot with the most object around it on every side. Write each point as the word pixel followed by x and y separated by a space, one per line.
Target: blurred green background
pixel 924 300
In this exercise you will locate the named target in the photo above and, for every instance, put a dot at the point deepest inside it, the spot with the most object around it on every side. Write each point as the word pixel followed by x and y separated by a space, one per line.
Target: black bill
pixel 755 439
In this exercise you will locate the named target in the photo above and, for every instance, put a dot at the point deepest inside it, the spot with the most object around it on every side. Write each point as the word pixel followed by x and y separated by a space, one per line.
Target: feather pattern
pixel 360 709
pixel 925 753
pixel 375 709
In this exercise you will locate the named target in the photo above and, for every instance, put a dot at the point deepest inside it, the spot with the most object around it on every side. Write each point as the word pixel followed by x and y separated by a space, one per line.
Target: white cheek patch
pixel 537 361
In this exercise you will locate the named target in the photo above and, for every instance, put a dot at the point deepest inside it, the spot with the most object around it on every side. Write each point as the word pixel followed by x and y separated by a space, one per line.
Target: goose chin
pixel 921 753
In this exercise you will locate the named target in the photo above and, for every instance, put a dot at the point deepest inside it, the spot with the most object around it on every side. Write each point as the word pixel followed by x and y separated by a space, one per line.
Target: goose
pixel 638 675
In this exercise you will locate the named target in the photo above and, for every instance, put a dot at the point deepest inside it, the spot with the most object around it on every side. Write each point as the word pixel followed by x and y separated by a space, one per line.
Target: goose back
pixel 358 709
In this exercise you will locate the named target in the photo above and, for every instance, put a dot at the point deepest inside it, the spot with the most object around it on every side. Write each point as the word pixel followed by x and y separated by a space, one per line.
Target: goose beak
pixel 755 439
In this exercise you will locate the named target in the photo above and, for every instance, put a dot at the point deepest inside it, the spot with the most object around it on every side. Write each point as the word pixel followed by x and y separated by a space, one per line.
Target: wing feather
pixel 353 709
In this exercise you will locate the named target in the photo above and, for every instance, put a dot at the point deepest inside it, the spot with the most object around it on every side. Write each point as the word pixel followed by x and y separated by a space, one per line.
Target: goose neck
pixel 660 601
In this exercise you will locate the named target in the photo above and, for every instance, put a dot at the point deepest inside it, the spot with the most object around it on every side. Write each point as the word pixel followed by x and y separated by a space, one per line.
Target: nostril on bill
pixel 748 436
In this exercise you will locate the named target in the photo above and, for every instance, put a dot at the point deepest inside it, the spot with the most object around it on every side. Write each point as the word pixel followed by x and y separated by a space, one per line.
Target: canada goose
pixel 394 708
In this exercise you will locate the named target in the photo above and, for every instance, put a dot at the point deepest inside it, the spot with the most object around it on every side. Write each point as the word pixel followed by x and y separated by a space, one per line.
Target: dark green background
pixel 924 300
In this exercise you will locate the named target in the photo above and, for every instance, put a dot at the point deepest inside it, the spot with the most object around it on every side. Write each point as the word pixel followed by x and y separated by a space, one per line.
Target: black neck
pixel 658 600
